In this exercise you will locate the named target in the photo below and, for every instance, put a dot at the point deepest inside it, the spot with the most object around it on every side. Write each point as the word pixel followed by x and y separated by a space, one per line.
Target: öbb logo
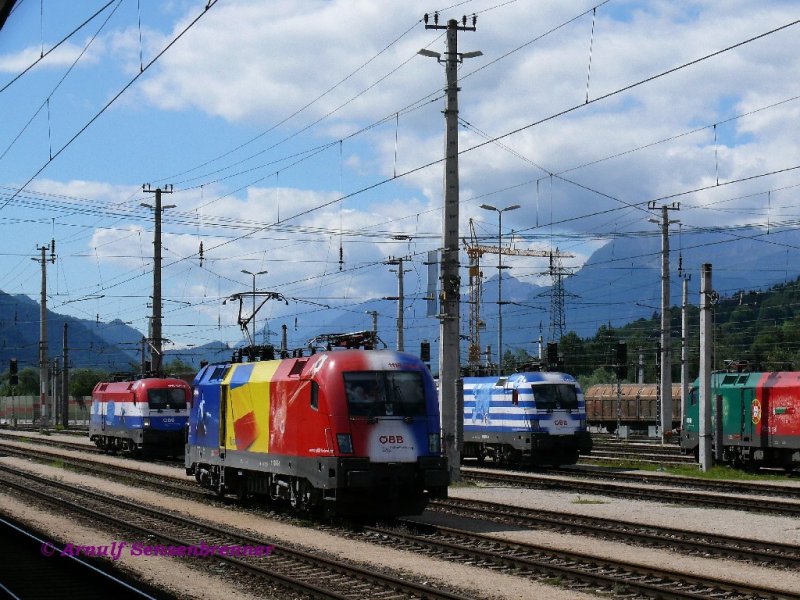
pixel 391 439
pixel 560 422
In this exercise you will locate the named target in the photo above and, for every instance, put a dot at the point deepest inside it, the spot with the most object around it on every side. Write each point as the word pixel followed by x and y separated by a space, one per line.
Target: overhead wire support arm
pixel 244 322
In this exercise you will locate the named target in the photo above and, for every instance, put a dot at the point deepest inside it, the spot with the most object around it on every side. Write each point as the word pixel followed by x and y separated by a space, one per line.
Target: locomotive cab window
pixel 553 396
pixel 158 399
pixel 385 394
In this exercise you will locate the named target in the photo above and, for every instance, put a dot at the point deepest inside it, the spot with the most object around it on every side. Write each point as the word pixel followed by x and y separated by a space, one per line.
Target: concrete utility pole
pixel 55 373
pixel 706 333
pixel 449 350
pixel 499 212
pixel 45 404
pixel 156 339
pixel 666 348
pixel 398 262
pixel 65 380
pixel 684 346
pixel 374 314
pixel 640 367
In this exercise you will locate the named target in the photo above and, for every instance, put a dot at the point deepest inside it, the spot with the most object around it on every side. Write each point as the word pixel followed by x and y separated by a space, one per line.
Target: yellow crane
pixel 475 251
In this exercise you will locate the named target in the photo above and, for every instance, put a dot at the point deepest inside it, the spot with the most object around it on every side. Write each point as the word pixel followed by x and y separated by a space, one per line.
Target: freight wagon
pixel 638 406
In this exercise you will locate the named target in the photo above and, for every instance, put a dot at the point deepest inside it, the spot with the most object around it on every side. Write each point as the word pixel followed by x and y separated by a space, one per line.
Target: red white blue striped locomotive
pixel 144 416
pixel 536 418
pixel 348 431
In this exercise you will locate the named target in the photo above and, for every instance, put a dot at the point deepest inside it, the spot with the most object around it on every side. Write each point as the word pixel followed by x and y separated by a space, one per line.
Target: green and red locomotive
pixel 760 418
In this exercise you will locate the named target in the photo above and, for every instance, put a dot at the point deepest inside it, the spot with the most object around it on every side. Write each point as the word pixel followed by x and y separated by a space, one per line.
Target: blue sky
pixel 282 127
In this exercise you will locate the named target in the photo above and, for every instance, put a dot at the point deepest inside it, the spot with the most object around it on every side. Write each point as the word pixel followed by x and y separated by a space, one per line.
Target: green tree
pixel 82 381
pixel 597 376
pixel 28 383
pixel 177 366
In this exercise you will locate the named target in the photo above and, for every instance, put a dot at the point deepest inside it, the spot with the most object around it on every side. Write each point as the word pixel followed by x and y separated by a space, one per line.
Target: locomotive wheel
pixel 219 490
pixel 241 489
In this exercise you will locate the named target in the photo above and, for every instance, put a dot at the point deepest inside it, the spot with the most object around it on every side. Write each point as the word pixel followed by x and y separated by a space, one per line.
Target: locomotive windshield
pixel 166 398
pixel 385 394
pixel 551 396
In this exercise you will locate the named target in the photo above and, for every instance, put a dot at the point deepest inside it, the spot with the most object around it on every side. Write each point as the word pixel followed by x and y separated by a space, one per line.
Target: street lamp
pixel 499 212
pixel 246 272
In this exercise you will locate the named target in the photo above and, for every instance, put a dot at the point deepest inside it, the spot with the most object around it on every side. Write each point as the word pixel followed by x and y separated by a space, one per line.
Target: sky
pixel 305 139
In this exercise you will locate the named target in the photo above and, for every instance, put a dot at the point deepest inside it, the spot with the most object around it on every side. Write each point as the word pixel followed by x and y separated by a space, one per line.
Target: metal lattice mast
pixel 475 251
pixel 475 298
pixel 558 321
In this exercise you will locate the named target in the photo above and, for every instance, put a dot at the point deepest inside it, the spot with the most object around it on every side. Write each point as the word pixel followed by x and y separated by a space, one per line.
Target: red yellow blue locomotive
pixel 141 416
pixel 347 431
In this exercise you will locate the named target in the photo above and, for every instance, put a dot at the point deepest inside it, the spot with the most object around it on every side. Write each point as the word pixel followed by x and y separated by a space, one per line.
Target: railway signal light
pixel 12 369
pixel 425 351
pixel 622 359
pixel 552 354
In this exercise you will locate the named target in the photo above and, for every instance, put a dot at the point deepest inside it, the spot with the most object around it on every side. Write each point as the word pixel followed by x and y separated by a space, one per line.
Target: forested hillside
pixel 761 328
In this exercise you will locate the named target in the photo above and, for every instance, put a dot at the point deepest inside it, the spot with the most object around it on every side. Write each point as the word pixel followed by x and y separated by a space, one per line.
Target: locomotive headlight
pixel 434 443
pixel 146 422
pixel 345 442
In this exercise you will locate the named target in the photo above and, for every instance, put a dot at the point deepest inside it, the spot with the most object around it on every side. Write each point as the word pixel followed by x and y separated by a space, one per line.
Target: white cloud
pixel 246 66
pixel 61 57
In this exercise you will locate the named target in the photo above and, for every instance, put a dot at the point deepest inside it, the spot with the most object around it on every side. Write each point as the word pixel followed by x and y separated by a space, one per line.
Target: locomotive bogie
pixel 350 432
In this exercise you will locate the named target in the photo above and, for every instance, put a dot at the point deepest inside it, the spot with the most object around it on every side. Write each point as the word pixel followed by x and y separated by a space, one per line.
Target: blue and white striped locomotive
pixel 536 418
pixel 144 416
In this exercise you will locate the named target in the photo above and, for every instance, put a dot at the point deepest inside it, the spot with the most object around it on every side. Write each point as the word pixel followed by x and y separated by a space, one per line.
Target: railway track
pixel 26 574
pixel 535 562
pixel 130 476
pixel 581 572
pixel 766 554
pixel 44 440
pixel 84 447
pixel 283 568
pixel 636 451
pixel 574 481
pixel 728 486
pixel 693 543
pixel 580 479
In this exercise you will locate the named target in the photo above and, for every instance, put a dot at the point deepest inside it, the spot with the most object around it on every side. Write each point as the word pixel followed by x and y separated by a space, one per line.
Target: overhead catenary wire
pixel 551 220
pixel 109 103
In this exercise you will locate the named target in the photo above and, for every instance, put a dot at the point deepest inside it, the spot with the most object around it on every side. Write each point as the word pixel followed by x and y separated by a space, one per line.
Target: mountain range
pixel 618 284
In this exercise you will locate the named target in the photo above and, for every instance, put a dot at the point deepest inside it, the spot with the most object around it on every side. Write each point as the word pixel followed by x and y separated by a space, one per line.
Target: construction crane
pixel 475 251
